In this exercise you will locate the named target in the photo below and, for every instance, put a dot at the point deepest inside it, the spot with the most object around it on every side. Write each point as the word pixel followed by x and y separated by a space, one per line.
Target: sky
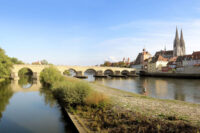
pixel 89 32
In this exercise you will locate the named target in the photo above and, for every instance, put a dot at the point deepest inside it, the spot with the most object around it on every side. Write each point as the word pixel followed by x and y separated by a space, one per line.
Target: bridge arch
pixel 125 72
pixel 24 70
pixel 90 71
pixel 108 72
pixel 72 72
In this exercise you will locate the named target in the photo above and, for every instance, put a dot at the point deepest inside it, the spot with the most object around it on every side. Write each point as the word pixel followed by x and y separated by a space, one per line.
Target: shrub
pixel 70 91
pixel 96 99
pixel 51 76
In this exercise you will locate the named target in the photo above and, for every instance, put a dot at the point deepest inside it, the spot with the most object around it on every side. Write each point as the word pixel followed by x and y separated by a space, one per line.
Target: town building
pixel 192 60
pixel 157 63
pixel 140 60
pixel 166 60
pixel 164 53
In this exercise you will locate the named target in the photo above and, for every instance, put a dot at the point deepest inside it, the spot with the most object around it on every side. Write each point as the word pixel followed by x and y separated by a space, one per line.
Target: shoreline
pixel 170 75
pixel 129 100
pixel 158 109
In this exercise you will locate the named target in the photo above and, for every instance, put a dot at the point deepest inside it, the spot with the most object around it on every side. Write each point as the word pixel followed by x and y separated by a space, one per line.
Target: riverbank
pixel 132 113
pixel 171 75
pixel 104 109
pixel 152 106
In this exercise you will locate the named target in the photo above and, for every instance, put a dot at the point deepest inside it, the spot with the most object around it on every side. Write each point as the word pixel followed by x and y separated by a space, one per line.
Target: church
pixel 178 48
pixel 179 45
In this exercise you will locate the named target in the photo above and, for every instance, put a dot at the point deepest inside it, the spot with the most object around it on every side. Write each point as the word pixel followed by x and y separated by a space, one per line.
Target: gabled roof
pixel 158 58
pixel 166 54
pixel 196 55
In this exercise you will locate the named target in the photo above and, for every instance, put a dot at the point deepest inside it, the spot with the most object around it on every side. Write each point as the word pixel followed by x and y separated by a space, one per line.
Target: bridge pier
pixel 132 74
pixel 14 76
pixel 79 74
pixel 100 74
pixel 117 74
pixel 35 75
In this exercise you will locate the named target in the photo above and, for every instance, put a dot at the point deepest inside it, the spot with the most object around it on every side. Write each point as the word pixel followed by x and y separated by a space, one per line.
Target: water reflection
pixel 48 96
pixel 5 95
pixel 30 109
pixel 90 75
pixel 25 81
pixel 163 88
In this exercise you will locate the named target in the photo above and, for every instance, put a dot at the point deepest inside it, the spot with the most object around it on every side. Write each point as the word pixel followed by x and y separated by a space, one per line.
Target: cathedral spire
pixel 176 37
pixel 176 44
pixel 181 39
pixel 182 43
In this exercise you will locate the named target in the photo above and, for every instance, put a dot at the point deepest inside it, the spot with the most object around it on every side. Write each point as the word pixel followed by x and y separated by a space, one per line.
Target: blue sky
pixel 88 32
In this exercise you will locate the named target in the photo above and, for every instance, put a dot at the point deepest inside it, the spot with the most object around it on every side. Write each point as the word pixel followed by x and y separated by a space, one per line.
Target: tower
pixel 179 45
pixel 176 51
pixel 182 44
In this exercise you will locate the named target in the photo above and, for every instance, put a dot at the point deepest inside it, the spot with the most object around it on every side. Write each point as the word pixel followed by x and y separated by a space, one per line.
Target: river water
pixel 25 107
pixel 163 88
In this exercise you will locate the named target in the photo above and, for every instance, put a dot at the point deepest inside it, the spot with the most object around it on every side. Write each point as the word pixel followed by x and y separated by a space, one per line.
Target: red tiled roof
pixel 158 58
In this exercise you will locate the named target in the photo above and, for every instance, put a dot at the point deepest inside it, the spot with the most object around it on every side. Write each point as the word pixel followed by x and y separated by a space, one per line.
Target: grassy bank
pixel 103 109
pixel 70 91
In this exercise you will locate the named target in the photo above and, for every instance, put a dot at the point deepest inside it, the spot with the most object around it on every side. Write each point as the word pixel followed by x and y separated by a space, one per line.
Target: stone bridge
pixel 78 70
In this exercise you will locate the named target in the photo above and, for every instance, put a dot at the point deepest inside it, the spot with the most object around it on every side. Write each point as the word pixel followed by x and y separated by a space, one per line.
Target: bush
pixel 96 99
pixel 72 93
pixel 69 91
pixel 51 76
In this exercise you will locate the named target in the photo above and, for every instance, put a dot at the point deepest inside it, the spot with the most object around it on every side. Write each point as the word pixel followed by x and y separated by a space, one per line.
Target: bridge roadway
pixel 78 70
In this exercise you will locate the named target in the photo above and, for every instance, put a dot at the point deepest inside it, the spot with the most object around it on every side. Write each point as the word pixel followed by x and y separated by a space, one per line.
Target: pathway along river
pixel 25 107
pixel 162 88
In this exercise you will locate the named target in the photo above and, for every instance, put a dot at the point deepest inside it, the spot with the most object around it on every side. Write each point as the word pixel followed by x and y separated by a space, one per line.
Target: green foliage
pixel 51 76
pixel 25 80
pixel 16 61
pixel 69 91
pixel 115 64
pixel 25 72
pixel 5 65
pixel 44 62
pixel 5 94
pixel 48 96
pixel 66 72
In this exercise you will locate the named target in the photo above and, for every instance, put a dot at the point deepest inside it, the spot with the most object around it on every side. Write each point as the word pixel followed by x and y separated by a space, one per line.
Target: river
pixel 163 88
pixel 26 107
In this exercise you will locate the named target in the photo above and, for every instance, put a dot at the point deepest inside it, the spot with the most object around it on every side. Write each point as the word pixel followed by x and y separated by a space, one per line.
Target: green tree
pixel 107 63
pixel 16 61
pixel 5 65
pixel 44 62
pixel 25 72
pixel 5 94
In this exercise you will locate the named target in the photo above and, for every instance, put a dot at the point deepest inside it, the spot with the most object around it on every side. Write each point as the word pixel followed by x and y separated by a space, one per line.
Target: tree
pixel 107 63
pixel 5 65
pixel 16 61
pixel 44 62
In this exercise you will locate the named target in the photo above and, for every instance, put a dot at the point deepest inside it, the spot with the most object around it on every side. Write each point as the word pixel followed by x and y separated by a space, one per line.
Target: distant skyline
pixel 88 32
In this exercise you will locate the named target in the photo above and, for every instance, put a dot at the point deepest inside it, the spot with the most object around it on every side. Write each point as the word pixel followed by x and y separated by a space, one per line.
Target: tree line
pixel 6 64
